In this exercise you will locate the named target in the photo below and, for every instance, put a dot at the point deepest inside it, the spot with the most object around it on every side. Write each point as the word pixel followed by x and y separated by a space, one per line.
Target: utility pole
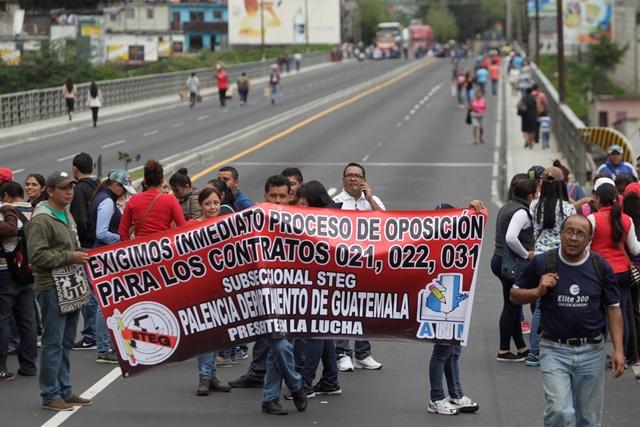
pixel 518 22
pixel 509 23
pixel 262 28
pixel 306 22
pixel 560 30
pixel 537 32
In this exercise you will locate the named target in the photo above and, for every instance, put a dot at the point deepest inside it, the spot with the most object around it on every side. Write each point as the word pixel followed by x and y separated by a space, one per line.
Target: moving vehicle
pixel 421 36
pixel 389 38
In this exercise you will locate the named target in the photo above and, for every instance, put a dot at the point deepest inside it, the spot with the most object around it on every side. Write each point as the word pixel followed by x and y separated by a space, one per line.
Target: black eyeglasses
pixel 570 233
pixel 353 176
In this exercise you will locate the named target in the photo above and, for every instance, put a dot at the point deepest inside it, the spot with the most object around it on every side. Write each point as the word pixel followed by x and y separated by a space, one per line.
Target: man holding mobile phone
pixel 357 195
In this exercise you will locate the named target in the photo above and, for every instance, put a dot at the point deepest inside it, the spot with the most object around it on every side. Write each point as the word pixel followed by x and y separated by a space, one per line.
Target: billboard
pixel 585 21
pixel 546 8
pixel 284 21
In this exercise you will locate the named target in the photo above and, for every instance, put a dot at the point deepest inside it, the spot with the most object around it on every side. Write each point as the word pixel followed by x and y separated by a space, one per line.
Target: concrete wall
pixel 615 108
pixel 630 129
pixel 121 21
pixel 118 47
pixel 626 31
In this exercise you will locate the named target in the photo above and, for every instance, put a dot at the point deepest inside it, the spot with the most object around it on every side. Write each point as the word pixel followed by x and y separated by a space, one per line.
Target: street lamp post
pixel 537 32
pixel 262 27
pixel 559 23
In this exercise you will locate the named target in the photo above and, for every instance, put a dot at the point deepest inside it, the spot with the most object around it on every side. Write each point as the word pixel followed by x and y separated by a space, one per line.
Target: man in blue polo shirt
pixel 577 297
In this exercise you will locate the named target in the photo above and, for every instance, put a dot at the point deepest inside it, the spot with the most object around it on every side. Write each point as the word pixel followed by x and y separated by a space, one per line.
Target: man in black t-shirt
pixel 577 297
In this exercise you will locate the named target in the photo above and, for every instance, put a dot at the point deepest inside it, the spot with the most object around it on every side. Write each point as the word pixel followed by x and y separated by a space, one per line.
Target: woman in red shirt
pixel 223 83
pixel 152 211
pixel 612 229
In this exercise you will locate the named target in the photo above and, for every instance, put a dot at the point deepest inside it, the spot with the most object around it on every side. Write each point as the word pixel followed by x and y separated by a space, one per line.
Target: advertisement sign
pixel 285 21
pixel 136 53
pixel 89 30
pixel 164 48
pixel 117 53
pixel 546 8
pixel 10 56
pixel 585 21
pixel 276 271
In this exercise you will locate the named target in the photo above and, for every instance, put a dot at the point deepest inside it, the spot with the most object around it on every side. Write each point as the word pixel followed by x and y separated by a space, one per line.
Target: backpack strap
pixel 598 264
pixel 552 267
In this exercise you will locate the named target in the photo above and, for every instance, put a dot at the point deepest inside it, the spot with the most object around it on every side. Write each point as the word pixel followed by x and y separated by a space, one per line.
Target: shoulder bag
pixel 136 229
pixel 512 265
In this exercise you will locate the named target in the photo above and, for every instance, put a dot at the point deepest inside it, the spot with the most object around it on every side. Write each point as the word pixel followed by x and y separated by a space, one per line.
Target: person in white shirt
pixel 193 84
pixel 357 195
pixel 298 58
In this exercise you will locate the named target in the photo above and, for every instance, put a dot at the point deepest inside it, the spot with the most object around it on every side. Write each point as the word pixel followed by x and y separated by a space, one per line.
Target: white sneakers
pixel 367 363
pixel 345 364
pixel 464 404
pixel 442 407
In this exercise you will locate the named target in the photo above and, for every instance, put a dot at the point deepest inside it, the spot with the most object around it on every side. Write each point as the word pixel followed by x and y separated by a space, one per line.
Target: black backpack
pixel 18 262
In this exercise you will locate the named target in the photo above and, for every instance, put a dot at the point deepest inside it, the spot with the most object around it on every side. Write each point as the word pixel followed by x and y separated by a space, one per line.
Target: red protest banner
pixel 277 271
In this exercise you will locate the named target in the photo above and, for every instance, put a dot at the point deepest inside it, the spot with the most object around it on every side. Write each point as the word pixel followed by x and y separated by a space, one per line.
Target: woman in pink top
pixel 152 211
pixel 69 92
pixel 478 107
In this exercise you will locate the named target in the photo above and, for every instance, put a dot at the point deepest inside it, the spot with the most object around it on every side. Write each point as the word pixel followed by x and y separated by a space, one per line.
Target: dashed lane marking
pixel 122 141
pixel 332 191
pixel 153 132
pixel 206 116
pixel 365 158
pixel 62 159
pixel 18 171
pixel 177 125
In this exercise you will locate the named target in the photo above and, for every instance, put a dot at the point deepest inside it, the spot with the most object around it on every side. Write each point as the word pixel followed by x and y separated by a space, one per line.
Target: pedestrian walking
pixel 94 101
pixel 631 207
pixel 244 84
pixel 69 91
pixel 545 128
pixel 482 76
pixel 514 78
pixel 287 62
pixel 494 72
pixel 52 243
pixel 298 58
pixel 579 297
pixel 274 83
pixel 222 79
pixel 193 86
pixel 478 108
pixel 460 80
pixel 528 111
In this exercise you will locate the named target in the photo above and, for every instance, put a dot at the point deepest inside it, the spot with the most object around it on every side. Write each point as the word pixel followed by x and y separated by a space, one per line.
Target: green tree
pixel 372 12
pixel 605 56
pixel 443 23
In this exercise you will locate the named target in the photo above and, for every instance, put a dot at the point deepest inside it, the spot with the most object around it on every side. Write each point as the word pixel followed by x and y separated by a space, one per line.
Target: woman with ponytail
pixel 631 207
pixel 69 91
pixel 612 229
pixel 94 101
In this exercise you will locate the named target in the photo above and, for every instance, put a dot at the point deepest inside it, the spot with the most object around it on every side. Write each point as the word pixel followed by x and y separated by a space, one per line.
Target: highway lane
pixel 166 132
pixel 429 157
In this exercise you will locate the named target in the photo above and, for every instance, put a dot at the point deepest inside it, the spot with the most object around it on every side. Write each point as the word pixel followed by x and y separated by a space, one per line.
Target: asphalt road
pixel 412 161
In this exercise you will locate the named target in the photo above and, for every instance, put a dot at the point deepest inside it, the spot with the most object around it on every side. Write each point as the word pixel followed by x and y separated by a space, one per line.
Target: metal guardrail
pixel 41 104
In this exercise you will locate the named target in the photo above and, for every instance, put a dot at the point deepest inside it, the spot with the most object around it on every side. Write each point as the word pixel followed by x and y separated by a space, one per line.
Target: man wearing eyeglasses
pixel 357 195
pixel 578 291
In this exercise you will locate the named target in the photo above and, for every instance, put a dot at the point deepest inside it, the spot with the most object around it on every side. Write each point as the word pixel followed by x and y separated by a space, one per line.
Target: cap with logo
pixel 535 172
pixel 553 174
pixel 5 175
pixel 59 179
pixel 614 148
pixel 122 177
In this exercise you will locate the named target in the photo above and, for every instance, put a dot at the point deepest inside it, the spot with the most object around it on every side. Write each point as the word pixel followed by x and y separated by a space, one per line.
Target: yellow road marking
pixel 311 119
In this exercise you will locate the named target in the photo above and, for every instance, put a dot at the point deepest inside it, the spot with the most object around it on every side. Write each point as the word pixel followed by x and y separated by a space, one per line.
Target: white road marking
pixel 365 158
pixel 380 143
pixel 93 391
pixel 177 125
pixel 422 102
pixel 412 112
pixel 495 192
pixel 332 191
pixel 206 116
pixel 122 141
pixel 62 159
pixel 399 124
pixel 417 106
pixel 407 118
pixel 18 171
pixel 153 132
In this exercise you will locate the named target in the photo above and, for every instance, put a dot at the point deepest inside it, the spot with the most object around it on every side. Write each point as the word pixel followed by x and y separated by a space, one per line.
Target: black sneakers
pixel 84 344
pixel 6 376
pixel 246 382
pixel 324 387
pixel 309 391
pixel 273 407
pixel 510 357
pixel 107 357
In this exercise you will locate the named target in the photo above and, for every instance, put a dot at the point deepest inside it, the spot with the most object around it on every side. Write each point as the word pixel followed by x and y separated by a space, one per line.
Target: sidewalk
pixel 44 128
pixel 520 159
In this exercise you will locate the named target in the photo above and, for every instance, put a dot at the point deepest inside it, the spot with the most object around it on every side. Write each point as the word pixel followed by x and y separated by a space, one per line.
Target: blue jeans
pixel 623 285
pixel 103 342
pixel 207 367
pixel 57 340
pixel 89 314
pixel 299 353
pixel 510 325
pixel 494 87
pixel 573 382
pixel 470 94
pixel 258 368
pixel 461 96
pixel 482 86
pixel 362 349
pixel 192 98
pixel 444 359
pixel 545 139
pixel 534 336
pixel 280 366
pixel 318 349
pixel 274 94
pixel 227 352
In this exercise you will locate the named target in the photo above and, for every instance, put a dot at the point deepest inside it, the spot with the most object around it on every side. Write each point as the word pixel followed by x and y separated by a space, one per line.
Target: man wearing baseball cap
pixel 105 216
pixel 52 242
pixel 616 164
